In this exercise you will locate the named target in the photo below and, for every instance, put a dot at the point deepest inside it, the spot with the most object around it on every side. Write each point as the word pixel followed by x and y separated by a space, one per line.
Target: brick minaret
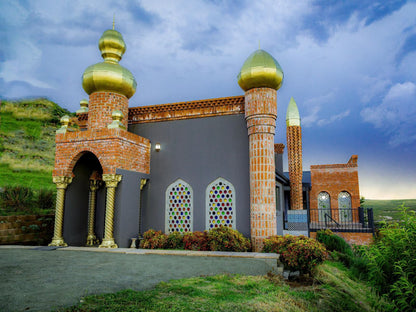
pixel 260 77
pixel 294 154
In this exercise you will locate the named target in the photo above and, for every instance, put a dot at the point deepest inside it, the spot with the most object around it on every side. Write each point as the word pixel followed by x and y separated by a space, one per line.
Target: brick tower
pixel 260 77
pixel 294 154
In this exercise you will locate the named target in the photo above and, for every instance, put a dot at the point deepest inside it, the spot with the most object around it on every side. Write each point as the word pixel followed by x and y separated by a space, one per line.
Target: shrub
pixel 154 240
pixel 297 253
pixel 16 198
pixel 225 238
pixel 391 262
pixel 45 199
pixel 196 241
pixel 333 242
pixel 174 241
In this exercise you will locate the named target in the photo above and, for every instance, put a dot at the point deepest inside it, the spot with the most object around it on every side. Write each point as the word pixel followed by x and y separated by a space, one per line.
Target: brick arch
pixel 78 155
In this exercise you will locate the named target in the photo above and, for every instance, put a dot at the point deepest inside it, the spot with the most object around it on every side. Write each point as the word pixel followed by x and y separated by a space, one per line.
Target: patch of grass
pixel 241 293
pixel 388 210
pixel 30 178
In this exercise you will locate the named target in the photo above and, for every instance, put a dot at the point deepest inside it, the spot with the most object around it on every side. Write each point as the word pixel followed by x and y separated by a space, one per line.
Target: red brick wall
pixel 102 105
pixel 294 154
pixel 114 148
pixel 334 179
pixel 353 238
pixel 261 112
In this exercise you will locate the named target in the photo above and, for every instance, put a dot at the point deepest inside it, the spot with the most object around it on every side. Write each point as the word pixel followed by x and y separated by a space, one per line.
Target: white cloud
pixel 327 121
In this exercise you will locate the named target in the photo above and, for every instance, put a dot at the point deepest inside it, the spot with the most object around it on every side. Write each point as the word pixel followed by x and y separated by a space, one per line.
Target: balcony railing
pixel 342 220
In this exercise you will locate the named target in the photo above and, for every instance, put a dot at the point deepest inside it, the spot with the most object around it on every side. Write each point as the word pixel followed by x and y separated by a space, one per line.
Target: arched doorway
pixel 75 230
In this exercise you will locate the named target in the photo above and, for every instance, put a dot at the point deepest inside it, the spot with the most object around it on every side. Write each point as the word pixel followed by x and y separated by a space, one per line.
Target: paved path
pixel 45 279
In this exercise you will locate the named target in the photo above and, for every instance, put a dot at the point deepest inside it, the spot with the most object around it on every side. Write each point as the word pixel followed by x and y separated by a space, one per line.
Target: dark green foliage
pixel 225 238
pixel 196 241
pixel 297 253
pixel 175 241
pixel 45 199
pixel 16 199
pixel 390 262
pixel 333 242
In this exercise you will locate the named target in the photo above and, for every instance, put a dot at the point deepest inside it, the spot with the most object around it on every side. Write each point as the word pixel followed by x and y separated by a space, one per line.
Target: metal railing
pixel 359 220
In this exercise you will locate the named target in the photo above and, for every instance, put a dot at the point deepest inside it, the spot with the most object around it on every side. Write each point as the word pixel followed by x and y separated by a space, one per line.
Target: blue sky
pixel 350 66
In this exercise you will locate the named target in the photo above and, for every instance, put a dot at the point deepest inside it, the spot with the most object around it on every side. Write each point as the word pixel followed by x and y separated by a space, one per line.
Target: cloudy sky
pixel 350 66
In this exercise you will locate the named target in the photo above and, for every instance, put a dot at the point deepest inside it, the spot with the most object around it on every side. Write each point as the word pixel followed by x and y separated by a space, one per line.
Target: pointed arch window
pixel 324 205
pixel 220 204
pixel 344 206
pixel 179 207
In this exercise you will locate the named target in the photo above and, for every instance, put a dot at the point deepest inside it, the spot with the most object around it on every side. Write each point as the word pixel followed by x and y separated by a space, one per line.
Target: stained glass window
pixel 324 206
pixel 179 207
pixel 220 204
pixel 344 205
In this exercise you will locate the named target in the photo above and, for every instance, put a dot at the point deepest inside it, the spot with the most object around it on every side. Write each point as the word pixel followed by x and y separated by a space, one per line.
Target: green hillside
pixel 389 210
pixel 27 142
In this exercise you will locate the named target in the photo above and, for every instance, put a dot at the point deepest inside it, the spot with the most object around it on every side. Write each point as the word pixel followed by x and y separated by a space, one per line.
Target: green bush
pixel 196 241
pixel 16 199
pixel 333 242
pixel 154 240
pixel 225 238
pixel 391 262
pixel 297 253
pixel 175 241
pixel 45 199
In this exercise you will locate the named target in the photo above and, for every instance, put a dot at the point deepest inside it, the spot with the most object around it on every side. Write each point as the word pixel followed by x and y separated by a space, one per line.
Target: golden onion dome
pixel 260 70
pixel 110 75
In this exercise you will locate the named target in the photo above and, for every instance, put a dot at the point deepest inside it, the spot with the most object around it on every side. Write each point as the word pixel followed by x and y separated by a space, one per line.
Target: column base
pixel 92 241
pixel 108 243
pixel 58 242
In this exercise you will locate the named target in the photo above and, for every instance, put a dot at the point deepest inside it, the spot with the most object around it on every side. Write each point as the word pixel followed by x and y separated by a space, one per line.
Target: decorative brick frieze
pixel 294 153
pixel 261 113
pixel 178 111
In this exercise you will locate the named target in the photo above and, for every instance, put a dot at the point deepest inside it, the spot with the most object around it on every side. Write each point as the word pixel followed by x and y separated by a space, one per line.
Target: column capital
pixel 95 184
pixel 62 181
pixel 111 180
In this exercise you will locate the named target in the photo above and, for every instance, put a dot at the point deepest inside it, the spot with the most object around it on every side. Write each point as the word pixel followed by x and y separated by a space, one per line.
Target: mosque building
pixel 193 166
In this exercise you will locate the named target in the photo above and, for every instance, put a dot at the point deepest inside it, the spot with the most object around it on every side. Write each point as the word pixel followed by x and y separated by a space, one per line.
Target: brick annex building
pixel 192 166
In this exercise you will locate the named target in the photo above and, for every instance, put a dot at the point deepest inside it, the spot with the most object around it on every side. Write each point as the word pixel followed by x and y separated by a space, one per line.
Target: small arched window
pixel 220 204
pixel 324 206
pixel 179 207
pixel 344 207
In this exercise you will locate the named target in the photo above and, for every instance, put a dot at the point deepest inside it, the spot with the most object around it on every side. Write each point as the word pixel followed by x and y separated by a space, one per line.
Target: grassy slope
pixel 333 291
pixel 388 210
pixel 27 142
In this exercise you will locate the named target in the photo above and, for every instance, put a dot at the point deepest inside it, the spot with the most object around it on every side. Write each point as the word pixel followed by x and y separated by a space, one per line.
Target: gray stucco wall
pixel 197 151
pixel 127 207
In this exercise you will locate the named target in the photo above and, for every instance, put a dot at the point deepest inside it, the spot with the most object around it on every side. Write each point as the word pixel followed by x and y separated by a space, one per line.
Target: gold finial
pixel 114 19
pixel 117 117
pixel 292 114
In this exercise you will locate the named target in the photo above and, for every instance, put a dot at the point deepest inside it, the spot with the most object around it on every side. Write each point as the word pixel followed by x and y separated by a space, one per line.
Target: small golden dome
pixel 260 70
pixel 110 75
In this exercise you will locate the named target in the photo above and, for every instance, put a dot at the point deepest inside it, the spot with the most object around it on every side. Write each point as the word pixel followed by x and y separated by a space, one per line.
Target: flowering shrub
pixel 218 239
pixel 154 240
pixel 174 241
pixel 196 241
pixel 297 253
pixel 225 238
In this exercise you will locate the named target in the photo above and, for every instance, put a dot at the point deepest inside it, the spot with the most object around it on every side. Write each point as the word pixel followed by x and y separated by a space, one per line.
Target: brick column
pixel 62 183
pixel 101 106
pixel 261 113
pixel 294 154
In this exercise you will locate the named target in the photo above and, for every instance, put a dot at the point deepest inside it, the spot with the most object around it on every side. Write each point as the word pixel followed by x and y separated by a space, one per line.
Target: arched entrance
pixel 86 186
